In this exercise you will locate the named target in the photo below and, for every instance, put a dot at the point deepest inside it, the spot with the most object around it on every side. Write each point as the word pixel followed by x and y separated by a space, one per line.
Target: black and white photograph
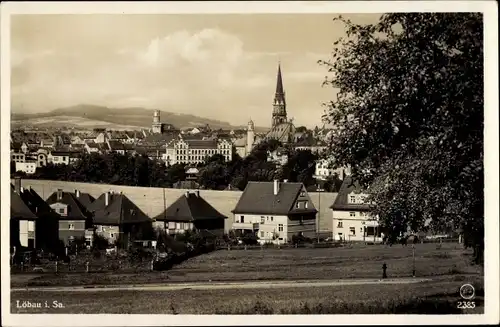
pixel 242 163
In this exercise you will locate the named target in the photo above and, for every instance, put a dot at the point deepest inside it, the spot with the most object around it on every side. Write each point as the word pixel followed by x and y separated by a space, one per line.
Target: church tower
pixel 156 122
pixel 250 137
pixel 279 104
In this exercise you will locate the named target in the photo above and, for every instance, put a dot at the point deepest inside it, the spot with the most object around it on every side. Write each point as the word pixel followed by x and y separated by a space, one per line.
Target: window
pixel 352 199
pixel 352 231
pixel 280 227
pixel 242 219
pixel 112 235
pixel 305 204
pixel 297 205
pixel 352 214
pixel 71 227
pixel 340 225
pixel 271 218
pixel 261 234
pixel 177 225
pixel 262 220
pixel 281 238
pixel 61 210
pixel 302 193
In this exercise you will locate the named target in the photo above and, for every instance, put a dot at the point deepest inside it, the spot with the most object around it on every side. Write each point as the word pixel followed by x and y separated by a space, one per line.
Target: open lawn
pixel 433 297
pixel 362 261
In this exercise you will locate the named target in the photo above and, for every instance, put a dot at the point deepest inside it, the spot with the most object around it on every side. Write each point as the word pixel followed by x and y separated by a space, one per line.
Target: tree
pixel 300 167
pixel 409 119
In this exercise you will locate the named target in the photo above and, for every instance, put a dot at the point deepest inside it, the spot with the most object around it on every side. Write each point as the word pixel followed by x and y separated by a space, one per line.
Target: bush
pixel 100 242
pixel 250 239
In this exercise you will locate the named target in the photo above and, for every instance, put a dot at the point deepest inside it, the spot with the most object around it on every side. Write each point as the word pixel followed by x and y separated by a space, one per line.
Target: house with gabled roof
pixel 33 224
pixel 275 211
pixel 75 219
pixel 191 212
pixel 351 215
pixel 116 217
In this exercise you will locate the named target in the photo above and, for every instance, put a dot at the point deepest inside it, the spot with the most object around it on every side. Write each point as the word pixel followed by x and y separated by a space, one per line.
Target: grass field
pixel 448 268
pixel 440 296
pixel 286 264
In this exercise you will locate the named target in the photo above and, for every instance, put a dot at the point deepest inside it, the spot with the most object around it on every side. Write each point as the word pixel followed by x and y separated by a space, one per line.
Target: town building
pixel 244 145
pixel 324 169
pixel 117 218
pixel 33 224
pixel 282 129
pixel 75 220
pixel 279 156
pixel 17 157
pixel 351 215
pixel 195 151
pixel 191 212
pixel 275 211
pixel 28 166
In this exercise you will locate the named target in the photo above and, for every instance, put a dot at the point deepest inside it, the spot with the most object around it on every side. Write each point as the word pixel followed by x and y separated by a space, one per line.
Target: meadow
pixel 361 261
pixel 434 297
pixel 447 266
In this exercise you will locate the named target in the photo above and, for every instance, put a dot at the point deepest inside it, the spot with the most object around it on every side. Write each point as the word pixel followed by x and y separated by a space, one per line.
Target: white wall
pixel 108 232
pixel 270 225
pixel 359 221
pixel 27 167
pixel 25 229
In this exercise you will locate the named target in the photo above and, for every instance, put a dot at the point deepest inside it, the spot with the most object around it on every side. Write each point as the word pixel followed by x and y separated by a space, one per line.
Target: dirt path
pixel 222 285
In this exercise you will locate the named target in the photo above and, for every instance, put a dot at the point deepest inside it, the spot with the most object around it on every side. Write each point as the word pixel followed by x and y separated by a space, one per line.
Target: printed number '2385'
pixel 466 305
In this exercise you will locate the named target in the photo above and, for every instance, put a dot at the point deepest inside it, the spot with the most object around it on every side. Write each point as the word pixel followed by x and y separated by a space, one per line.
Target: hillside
pixel 119 118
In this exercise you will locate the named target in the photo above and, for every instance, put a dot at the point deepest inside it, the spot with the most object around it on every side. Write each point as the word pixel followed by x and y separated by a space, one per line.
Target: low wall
pixel 150 199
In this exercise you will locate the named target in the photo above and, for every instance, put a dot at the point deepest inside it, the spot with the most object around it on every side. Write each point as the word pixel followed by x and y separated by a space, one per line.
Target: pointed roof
pixel 76 210
pixel 190 207
pixel 120 210
pixel 348 186
pixel 279 82
pixel 19 209
pixel 268 203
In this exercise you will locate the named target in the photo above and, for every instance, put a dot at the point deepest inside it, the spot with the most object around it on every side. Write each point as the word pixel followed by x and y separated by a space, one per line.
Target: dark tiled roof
pixel 190 207
pixel 202 144
pixel 120 210
pixel 341 203
pixel 259 198
pixel 85 199
pixel 76 210
pixel 116 145
pixel 19 209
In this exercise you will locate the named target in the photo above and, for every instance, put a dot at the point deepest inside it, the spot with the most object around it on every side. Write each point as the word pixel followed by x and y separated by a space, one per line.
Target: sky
pixel 217 66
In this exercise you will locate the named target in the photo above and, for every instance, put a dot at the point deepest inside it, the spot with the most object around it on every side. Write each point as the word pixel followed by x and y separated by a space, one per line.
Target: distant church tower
pixel 279 105
pixel 250 136
pixel 157 125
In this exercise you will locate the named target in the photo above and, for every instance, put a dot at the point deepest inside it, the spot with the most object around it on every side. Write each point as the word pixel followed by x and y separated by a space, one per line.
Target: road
pixel 222 285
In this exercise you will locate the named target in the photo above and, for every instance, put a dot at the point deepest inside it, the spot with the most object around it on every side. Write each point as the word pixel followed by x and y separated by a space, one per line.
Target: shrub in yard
pixel 100 242
pixel 250 239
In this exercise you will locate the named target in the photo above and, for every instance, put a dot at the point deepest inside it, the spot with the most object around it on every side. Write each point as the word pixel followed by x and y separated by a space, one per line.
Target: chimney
pixel 17 185
pixel 77 193
pixel 276 186
pixel 59 194
pixel 106 198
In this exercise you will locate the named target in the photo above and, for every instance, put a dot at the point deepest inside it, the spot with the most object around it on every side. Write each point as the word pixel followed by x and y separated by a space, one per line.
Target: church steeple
pixel 279 105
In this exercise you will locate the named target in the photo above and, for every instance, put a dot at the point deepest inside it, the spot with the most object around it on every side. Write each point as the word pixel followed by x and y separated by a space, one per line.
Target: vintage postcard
pixel 249 163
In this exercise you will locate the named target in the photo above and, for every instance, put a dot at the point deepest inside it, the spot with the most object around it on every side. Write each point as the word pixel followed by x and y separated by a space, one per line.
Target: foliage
pixel 300 167
pixel 409 119
pixel 99 242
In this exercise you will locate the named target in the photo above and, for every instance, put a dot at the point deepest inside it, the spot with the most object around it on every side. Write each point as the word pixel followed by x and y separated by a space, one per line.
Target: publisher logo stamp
pixel 467 291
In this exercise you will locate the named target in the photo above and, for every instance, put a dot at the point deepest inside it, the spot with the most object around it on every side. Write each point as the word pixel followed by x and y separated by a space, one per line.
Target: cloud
pixel 206 72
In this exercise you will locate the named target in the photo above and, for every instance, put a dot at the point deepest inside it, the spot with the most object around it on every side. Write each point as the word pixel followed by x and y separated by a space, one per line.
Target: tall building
pixel 250 137
pixel 279 104
pixel 157 126
pixel 281 129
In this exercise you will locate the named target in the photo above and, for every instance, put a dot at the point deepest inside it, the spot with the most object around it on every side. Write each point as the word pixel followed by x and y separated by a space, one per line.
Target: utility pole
pixel 319 211
pixel 413 253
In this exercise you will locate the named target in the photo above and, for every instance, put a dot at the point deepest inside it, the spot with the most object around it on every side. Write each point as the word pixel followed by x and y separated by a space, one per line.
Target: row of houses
pixel 273 211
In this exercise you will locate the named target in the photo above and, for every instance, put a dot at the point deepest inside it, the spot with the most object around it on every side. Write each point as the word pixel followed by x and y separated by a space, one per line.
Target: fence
pixel 314 245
